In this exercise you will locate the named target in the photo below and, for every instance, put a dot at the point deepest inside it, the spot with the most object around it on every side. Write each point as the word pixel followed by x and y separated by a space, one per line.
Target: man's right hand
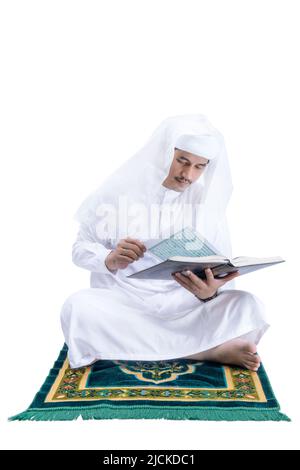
pixel 127 251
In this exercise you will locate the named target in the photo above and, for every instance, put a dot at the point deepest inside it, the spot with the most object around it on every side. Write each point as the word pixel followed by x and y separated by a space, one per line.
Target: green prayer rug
pixel 165 389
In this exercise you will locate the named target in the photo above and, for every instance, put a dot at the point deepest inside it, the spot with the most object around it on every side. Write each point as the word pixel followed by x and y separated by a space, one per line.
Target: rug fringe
pixel 130 413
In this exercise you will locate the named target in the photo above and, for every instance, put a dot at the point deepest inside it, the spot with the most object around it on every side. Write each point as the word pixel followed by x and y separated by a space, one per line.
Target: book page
pixel 186 242
pixel 247 260
pixel 200 259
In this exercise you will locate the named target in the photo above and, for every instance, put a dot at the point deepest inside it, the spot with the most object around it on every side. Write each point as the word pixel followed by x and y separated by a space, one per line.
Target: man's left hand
pixel 199 287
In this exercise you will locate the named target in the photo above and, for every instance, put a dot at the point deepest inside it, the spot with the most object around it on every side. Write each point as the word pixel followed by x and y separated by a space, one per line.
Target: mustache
pixel 182 180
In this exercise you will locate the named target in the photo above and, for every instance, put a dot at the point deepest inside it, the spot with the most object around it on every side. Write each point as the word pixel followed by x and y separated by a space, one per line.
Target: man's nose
pixel 187 173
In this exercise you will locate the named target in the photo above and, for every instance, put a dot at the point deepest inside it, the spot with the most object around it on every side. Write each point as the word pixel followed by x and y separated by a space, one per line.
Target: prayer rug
pixel 165 389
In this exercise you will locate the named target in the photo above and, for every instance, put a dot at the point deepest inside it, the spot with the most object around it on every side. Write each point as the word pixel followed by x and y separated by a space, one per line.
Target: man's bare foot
pixel 236 352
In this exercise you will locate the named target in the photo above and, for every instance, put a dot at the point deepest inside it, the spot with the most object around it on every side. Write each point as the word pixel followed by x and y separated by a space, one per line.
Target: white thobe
pixel 134 319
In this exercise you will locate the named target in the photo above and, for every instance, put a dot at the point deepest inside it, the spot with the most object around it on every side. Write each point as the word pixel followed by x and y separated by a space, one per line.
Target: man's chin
pixel 181 187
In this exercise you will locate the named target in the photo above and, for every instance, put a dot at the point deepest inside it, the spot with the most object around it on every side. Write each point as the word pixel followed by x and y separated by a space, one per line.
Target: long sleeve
pixel 89 253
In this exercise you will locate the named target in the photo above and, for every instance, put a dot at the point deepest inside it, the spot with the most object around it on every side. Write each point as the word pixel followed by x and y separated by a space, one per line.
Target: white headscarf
pixel 140 178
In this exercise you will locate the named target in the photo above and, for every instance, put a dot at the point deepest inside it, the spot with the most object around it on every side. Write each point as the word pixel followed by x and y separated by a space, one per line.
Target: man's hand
pixel 127 251
pixel 199 287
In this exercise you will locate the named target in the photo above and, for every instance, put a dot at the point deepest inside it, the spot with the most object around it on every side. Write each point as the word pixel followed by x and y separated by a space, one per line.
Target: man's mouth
pixel 182 181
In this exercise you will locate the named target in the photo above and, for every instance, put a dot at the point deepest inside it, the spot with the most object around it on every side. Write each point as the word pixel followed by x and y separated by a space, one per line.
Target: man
pixel 183 165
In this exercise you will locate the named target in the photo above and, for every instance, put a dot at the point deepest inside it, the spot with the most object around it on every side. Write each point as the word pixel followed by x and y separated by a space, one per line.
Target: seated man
pixel 184 167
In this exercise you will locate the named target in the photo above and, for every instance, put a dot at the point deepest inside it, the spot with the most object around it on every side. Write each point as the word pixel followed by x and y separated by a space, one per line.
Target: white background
pixel 83 85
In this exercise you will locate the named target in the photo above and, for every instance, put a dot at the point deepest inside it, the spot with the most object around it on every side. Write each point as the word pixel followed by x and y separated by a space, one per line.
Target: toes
pixel 250 361
pixel 253 357
pixel 253 360
pixel 254 366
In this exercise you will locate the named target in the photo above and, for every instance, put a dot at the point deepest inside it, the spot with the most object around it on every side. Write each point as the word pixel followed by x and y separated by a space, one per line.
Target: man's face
pixel 185 169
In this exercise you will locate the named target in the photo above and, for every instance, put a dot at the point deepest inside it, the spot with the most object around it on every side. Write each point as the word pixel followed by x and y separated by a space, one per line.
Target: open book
pixel 198 259
pixel 219 265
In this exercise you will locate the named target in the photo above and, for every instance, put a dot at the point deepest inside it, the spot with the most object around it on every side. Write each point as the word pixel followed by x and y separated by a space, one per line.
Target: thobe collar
pixel 166 195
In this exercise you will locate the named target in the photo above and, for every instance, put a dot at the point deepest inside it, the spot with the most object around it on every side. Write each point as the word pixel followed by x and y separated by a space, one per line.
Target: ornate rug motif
pixel 170 389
